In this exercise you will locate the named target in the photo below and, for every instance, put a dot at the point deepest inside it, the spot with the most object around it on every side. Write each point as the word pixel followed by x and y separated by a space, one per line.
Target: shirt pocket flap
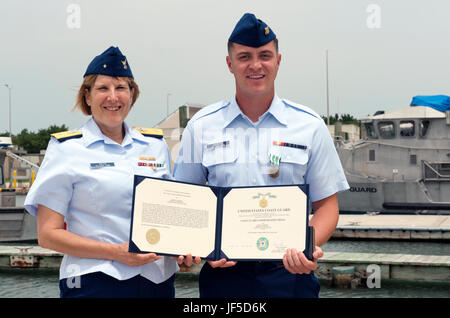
pixel 294 155
pixel 219 152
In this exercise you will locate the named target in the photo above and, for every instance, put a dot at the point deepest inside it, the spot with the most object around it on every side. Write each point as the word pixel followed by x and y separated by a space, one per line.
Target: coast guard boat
pixel 402 165
pixel 16 225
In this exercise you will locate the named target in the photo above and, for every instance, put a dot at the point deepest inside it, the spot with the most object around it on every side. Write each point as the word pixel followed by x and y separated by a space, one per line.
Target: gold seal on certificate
pixel 263 203
pixel 153 236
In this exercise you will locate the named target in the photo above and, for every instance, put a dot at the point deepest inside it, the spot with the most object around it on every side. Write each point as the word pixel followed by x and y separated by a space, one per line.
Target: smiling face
pixel 254 69
pixel 110 100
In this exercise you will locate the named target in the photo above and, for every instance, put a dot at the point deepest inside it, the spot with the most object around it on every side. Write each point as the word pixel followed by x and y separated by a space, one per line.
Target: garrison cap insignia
pixel 111 63
pixel 251 31
pixel 66 135
pixel 150 132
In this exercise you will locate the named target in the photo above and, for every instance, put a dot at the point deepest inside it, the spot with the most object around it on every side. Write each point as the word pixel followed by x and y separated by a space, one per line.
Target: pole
pixel 9 93
pixel 328 101
pixel 168 94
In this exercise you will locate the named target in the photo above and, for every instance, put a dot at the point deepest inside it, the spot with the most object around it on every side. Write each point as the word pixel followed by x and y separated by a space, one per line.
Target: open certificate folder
pixel 237 223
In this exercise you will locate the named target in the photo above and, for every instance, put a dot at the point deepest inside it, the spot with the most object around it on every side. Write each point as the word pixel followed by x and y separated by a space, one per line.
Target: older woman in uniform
pixel 86 181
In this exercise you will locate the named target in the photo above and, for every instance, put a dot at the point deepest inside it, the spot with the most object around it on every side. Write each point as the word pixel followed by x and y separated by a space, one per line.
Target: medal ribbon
pixel 274 159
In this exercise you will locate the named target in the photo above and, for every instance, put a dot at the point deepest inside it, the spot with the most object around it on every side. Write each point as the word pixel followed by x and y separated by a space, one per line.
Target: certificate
pixel 237 223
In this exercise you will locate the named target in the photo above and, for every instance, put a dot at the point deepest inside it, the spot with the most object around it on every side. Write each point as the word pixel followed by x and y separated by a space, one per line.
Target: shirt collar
pixel 232 111
pixel 276 109
pixel 92 133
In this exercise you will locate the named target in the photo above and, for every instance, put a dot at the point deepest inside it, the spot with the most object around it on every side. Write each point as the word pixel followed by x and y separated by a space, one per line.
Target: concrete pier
pixel 393 227
pixel 28 257
pixel 390 266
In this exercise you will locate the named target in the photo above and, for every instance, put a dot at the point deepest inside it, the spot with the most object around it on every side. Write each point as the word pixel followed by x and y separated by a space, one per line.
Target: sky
pixel 381 53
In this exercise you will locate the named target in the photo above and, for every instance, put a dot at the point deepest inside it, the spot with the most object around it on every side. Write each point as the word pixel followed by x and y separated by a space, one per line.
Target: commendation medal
pixel 274 170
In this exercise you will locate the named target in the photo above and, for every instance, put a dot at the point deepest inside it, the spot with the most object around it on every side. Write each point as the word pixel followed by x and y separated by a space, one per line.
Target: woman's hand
pixel 296 262
pixel 133 259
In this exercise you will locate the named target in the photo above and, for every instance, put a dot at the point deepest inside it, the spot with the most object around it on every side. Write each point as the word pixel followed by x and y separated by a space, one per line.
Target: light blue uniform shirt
pixel 96 201
pixel 223 147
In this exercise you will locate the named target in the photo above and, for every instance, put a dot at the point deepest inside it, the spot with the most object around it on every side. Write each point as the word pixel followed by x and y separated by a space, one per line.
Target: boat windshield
pixel 370 130
pixel 424 124
pixel 386 129
pixel 407 128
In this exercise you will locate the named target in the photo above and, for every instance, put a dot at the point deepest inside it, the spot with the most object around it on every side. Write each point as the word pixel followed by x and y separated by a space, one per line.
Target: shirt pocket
pixel 220 159
pixel 219 152
pixel 293 165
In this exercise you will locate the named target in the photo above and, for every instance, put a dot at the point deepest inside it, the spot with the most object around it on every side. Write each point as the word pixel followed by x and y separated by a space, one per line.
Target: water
pixel 34 283
pixel 41 283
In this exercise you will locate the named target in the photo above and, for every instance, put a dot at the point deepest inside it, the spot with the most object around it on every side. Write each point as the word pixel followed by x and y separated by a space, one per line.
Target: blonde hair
pixel 89 81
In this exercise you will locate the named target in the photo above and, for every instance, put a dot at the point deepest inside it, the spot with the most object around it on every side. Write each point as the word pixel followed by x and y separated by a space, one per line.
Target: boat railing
pixel 436 171
pixel 23 160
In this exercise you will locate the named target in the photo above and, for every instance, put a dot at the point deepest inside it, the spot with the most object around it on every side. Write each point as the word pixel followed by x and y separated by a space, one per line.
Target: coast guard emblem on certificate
pixel 262 244
pixel 152 236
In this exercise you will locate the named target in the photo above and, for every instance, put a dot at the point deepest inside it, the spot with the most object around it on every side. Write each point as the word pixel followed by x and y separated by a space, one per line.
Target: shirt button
pixel 254 181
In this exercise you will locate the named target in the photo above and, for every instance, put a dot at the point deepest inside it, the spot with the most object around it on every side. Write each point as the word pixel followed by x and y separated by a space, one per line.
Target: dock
pixel 393 227
pixel 28 257
pixel 434 268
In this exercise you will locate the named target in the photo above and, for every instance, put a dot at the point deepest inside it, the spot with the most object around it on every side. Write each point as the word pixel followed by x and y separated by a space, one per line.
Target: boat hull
pixel 395 197
pixel 16 225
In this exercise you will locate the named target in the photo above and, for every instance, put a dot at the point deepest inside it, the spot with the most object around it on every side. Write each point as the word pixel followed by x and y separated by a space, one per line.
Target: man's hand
pixel 296 262
pixel 221 263
pixel 188 260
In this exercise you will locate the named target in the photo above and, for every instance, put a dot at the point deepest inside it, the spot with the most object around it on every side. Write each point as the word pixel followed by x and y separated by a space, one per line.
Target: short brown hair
pixel 231 44
pixel 89 81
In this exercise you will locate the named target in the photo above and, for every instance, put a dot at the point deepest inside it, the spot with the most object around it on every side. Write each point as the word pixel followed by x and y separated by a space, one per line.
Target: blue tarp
pixel 438 102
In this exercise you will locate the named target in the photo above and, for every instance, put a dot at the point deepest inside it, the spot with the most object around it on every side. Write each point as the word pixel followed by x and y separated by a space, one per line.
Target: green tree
pixel 34 142
pixel 332 119
pixel 349 119
pixel 345 119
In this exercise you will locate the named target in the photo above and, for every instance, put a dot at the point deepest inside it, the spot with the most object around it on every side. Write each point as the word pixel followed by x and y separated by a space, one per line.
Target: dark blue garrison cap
pixel 111 62
pixel 250 31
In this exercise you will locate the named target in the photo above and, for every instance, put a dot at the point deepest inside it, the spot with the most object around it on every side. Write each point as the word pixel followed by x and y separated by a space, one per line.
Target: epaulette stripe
pixel 66 135
pixel 150 132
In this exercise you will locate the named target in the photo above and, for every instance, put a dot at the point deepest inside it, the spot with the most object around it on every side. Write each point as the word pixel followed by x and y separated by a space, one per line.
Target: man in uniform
pixel 258 139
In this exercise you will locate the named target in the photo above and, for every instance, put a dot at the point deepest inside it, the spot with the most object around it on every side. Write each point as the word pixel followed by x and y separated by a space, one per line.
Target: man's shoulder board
pixel 150 132
pixel 66 135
